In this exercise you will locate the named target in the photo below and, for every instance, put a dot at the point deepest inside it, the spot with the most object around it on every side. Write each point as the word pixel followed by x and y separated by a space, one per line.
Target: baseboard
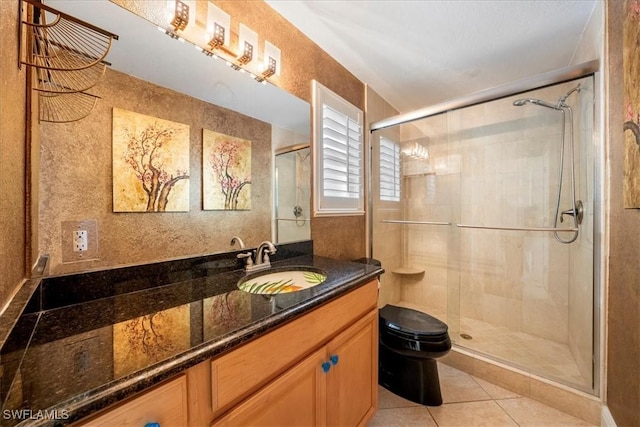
pixel 607 419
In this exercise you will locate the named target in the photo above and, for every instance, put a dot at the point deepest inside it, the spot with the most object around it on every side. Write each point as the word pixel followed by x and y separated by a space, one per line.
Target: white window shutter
pixel 338 153
pixel 389 170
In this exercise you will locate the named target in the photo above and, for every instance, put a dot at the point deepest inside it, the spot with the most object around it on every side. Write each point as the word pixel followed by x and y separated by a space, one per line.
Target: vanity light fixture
pixel 217 39
pixel 247 54
pixel 178 12
pixel 271 63
pixel 247 40
pixel 218 27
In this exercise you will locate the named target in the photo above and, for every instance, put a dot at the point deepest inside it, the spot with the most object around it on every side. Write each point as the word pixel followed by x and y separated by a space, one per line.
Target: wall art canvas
pixel 150 164
pixel 226 172
pixel 632 104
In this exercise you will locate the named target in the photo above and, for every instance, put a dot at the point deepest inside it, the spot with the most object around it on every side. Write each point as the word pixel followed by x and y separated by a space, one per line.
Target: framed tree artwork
pixel 226 172
pixel 150 164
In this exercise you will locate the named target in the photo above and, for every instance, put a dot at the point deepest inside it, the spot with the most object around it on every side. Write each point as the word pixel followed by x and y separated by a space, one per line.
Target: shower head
pixel 521 102
pixel 561 101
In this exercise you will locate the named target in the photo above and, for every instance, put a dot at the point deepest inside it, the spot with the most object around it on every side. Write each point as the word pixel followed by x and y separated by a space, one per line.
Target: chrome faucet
pixel 236 239
pixel 259 259
pixel 261 256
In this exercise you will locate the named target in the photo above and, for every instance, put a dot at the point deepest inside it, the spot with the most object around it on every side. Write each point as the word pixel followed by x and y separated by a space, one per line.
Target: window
pixel 389 170
pixel 338 154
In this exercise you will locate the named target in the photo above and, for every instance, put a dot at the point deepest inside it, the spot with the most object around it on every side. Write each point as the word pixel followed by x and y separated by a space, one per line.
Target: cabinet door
pixel 352 383
pixel 165 405
pixel 297 398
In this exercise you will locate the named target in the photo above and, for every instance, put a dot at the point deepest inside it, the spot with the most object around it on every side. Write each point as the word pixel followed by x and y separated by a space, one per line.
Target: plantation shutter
pixel 389 170
pixel 339 155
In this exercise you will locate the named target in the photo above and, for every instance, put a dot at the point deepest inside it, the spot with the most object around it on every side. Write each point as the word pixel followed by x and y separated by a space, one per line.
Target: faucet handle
pixel 248 261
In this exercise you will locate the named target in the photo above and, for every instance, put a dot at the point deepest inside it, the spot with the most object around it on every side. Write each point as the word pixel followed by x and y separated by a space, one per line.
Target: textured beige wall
pixel 12 155
pixel 76 181
pixel 623 339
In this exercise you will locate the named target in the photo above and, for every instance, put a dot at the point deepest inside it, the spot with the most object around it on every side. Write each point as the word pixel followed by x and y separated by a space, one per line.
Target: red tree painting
pixel 228 160
pixel 153 158
pixel 143 154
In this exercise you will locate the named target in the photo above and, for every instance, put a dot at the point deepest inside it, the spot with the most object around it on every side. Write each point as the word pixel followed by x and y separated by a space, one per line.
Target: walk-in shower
pixel 486 216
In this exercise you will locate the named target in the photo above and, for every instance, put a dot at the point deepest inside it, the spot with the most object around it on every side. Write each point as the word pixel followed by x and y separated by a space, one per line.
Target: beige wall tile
pixel 571 402
pixel 510 380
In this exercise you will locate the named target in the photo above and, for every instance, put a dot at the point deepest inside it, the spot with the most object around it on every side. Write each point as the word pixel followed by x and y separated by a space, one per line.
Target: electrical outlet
pixel 80 241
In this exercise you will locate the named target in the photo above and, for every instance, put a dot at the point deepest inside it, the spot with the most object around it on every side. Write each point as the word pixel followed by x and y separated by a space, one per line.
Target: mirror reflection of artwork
pixel 223 313
pixel 632 104
pixel 148 339
pixel 226 172
pixel 150 164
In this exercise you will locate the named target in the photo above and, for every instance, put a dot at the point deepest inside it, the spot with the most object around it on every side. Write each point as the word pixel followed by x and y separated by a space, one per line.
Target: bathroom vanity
pixel 177 343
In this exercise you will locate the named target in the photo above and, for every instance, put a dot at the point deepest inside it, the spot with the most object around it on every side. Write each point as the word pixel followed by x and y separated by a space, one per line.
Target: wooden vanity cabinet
pixel 336 385
pixel 342 333
pixel 319 369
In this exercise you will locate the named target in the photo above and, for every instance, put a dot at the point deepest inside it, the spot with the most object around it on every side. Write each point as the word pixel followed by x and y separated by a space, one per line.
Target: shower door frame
pixel 590 68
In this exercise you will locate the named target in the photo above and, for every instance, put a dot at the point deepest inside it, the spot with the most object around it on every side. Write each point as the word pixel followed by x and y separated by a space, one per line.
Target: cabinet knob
pixel 325 367
pixel 152 425
pixel 334 359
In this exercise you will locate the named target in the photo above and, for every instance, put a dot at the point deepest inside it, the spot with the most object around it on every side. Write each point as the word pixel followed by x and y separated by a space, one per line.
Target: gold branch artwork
pixel 226 172
pixel 150 164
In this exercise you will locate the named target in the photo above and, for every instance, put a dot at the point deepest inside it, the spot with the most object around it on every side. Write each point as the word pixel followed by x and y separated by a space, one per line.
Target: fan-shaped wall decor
pixel 65 107
pixel 68 56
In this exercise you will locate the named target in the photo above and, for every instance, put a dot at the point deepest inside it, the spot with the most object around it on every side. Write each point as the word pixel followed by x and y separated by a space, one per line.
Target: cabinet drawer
pixel 165 404
pixel 237 374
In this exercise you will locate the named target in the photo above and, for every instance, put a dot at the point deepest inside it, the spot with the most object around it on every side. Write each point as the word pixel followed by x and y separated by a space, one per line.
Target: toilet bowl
pixel 409 344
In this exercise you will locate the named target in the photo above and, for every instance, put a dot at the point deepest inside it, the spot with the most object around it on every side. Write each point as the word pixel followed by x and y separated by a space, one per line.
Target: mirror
pixel 293 193
pixel 144 52
pixel 83 149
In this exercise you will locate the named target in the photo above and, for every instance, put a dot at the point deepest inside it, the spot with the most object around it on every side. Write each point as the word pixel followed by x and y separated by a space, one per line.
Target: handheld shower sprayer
pixel 577 209
pixel 563 98
pixel 521 102
pixel 559 106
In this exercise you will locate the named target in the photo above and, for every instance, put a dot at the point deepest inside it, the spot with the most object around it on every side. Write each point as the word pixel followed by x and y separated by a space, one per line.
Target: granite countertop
pixel 88 340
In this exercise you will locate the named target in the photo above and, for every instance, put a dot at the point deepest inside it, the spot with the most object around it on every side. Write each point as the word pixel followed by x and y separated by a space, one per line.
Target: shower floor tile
pixel 533 354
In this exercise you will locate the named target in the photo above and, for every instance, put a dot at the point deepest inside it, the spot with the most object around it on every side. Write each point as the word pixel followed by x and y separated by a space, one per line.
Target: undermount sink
pixel 282 281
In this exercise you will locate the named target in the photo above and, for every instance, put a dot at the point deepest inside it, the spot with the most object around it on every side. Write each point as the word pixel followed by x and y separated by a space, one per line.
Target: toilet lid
pixel 408 321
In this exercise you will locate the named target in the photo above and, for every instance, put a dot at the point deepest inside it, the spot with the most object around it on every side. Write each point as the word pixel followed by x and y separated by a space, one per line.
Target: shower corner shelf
pixel 408 271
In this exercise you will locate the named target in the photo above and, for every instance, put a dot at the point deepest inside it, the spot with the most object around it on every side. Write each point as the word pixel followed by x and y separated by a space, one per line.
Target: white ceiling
pixel 415 53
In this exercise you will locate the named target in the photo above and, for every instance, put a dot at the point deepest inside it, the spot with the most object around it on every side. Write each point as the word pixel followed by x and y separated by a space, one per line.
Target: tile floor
pixel 469 402
pixel 530 353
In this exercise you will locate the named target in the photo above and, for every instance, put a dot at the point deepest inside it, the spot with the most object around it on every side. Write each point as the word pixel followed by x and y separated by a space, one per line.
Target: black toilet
pixel 410 341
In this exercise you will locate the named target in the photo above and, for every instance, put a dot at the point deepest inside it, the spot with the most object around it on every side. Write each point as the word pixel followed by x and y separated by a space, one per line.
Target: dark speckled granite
pixel 65 355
